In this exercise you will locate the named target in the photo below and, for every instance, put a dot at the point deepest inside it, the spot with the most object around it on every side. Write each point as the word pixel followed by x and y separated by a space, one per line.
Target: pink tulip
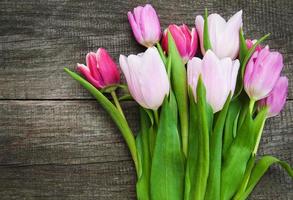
pixel 145 25
pixel 186 40
pixel 146 78
pixel 224 36
pixel 219 77
pixel 262 72
pixel 250 43
pixel 100 70
pixel 277 97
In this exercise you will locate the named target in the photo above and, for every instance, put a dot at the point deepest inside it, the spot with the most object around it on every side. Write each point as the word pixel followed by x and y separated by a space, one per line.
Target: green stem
pixel 258 138
pixel 156 114
pixel 117 104
pixel 251 105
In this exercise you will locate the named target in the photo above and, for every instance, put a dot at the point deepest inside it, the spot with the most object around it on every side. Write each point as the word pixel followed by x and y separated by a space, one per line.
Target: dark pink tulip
pixel 262 72
pixel 277 98
pixel 100 69
pixel 186 40
pixel 250 43
pixel 145 25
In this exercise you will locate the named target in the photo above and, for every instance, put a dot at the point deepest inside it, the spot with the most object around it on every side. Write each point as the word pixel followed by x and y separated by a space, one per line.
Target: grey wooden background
pixel 55 141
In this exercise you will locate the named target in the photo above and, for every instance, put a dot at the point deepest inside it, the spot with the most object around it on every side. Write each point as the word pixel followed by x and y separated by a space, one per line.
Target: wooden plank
pixel 39 38
pixel 72 150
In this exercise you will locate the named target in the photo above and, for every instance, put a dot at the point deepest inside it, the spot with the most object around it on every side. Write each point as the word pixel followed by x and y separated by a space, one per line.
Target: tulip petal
pixel 107 67
pixel 153 69
pixel 150 25
pixel 91 62
pixel 199 24
pixel 135 26
pixel 277 98
pixel 84 70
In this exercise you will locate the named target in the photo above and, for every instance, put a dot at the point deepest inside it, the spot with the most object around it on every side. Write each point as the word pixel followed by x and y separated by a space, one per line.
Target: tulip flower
pixel 262 72
pixel 146 78
pixel 250 43
pixel 186 40
pixel 224 36
pixel 100 69
pixel 145 25
pixel 277 97
pixel 219 77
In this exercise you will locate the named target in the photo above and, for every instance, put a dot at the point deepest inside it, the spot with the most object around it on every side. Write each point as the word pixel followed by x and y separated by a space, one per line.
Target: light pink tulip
pixel 219 77
pixel 262 72
pixel 185 40
pixel 100 70
pixel 146 78
pixel 145 25
pixel 224 36
pixel 277 97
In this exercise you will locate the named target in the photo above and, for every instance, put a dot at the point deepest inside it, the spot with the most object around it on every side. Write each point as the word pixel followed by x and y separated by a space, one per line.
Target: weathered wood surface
pixel 55 141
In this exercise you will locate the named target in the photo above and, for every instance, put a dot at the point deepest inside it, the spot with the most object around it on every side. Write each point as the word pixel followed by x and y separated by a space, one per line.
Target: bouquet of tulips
pixel 202 110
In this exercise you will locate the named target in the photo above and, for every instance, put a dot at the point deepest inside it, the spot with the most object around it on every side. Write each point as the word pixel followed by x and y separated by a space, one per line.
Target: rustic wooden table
pixel 55 140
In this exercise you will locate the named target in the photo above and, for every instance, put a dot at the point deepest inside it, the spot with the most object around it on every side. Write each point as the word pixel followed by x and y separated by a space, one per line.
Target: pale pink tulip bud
pixel 186 40
pixel 277 97
pixel 262 72
pixel 100 70
pixel 219 77
pixel 145 25
pixel 146 78
pixel 224 36
pixel 250 43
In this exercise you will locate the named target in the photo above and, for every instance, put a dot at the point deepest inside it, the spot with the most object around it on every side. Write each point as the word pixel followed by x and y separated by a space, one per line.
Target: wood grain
pixel 71 149
pixel 55 141
pixel 39 38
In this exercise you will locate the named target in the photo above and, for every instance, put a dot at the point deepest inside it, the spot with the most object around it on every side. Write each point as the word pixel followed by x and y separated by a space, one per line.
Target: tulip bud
pixel 224 36
pixel 250 43
pixel 146 78
pixel 277 97
pixel 262 72
pixel 100 70
pixel 219 77
pixel 186 40
pixel 145 25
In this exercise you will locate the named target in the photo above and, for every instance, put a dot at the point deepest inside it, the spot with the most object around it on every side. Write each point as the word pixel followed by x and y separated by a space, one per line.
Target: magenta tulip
pixel 145 25
pixel 100 70
pixel 186 41
pixel 146 78
pixel 262 72
pixel 219 77
pixel 224 36
pixel 277 97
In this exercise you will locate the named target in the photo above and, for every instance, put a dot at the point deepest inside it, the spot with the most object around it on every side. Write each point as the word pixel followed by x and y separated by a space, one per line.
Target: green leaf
pixel 179 85
pixel 161 52
pixel 167 172
pixel 113 112
pixel 142 143
pixel 260 169
pixel 203 159
pixel 243 51
pixel 214 180
pixel 206 38
pixel 191 161
pixel 231 125
pixel 235 162
pixel 246 177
